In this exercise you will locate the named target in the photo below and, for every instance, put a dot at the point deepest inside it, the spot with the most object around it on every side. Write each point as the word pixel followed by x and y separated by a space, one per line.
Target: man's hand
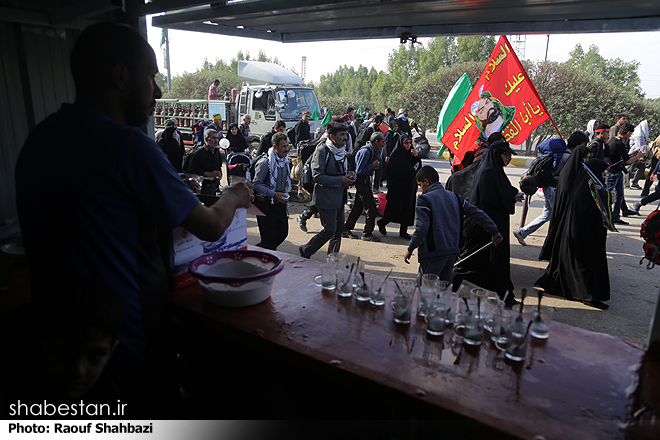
pixel 280 197
pixel 408 255
pixel 241 193
pixel 497 239
pixel 520 197
pixel 653 177
pixel 376 164
pixel 215 173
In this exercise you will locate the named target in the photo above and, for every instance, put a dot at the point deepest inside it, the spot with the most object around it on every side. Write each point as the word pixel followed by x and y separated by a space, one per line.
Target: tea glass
pixel 328 278
pixel 402 303
pixel 427 290
pixel 365 286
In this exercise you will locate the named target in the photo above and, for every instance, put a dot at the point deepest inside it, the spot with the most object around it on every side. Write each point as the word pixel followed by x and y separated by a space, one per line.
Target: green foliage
pixel 337 105
pixel 424 100
pixel 618 72
pixel 161 81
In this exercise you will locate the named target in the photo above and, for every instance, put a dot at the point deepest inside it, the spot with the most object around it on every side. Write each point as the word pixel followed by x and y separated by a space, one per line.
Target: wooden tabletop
pixel 576 385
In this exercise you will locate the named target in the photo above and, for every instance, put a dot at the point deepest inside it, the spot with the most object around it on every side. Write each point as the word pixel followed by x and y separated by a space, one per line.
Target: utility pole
pixel 166 57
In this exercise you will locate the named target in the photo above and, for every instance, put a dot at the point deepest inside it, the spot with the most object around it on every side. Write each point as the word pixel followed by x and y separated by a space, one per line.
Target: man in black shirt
pixel 302 130
pixel 618 157
pixel 207 162
pixel 598 147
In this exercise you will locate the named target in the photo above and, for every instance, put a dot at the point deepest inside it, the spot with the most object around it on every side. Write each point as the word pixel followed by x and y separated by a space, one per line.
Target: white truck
pixel 269 93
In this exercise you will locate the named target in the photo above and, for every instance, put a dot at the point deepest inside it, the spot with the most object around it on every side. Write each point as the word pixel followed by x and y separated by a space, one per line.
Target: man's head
pixel 336 129
pixel 247 120
pixel 426 176
pixel 211 138
pixel 602 132
pixel 216 82
pixel 217 119
pixel 626 131
pixel 123 63
pixel 306 115
pixel 77 332
pixel 171 123
pixel 349 111
pixel 487 111
pixel 281 144
pixel 377 140
pixel 576 139
pixel 403 111
pixel 279 127
pixel 621 119
pixel 378 119
pixel 388 111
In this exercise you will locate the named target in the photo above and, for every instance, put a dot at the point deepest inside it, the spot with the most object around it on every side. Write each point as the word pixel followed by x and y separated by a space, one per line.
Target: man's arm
pixel 260 175
pixel 318 165
pixel 361 164
pixel 210 223
pixel 422 225
pixel 482 220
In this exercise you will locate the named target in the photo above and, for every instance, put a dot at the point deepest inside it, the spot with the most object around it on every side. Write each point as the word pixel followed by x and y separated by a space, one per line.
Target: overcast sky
pixel 188 50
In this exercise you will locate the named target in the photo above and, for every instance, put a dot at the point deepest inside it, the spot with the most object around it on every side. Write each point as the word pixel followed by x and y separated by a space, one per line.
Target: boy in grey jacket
pixel 438 219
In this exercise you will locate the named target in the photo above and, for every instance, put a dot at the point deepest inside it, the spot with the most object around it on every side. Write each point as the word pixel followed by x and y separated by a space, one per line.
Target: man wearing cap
pixel 598 147
pixel 272 183
pixel 331 177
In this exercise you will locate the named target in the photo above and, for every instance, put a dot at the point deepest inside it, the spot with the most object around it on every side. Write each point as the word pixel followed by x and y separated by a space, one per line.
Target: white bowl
pixel 236 278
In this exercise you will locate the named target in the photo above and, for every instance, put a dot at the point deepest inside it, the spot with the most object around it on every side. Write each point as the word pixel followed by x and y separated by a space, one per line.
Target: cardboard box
pixel 185 247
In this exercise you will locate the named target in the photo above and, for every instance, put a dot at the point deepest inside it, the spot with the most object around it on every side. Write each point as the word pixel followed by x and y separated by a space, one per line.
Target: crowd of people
pixel 112 251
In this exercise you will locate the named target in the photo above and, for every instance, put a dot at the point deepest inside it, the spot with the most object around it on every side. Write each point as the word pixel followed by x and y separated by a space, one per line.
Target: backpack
pixel 253 166
pixel 541 171
pixel 291 134
pixel 198 130
pixel 650 232
pixel 187 157
pixel 307 181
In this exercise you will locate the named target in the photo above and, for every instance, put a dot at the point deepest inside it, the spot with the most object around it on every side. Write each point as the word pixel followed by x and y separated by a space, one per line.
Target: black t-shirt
pixel 617 151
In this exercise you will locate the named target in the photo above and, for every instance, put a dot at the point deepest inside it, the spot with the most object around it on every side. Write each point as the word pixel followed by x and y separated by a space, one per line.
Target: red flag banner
pixel 503 99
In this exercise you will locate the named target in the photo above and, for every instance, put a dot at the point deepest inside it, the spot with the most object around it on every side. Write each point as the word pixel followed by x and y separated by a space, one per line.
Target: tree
pixel 161 81
pixel 618 72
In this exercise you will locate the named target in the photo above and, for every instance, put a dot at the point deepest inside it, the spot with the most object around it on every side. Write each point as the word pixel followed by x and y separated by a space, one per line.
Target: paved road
pixel 634 288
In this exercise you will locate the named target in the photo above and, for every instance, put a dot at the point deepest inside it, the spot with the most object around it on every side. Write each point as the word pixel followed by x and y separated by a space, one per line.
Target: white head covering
pixel 590 129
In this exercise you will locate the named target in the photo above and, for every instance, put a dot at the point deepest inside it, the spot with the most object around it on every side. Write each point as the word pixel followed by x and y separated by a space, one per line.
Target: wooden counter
pixel 577 385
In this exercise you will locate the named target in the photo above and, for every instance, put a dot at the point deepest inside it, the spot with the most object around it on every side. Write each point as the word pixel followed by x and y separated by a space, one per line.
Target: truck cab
pixel 272 93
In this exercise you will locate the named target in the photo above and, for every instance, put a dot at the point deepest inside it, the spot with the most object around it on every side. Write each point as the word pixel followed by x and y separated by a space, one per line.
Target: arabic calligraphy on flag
pixel 502 100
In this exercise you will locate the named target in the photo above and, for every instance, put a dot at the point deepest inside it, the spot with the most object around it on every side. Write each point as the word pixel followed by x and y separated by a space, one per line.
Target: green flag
pixel 163 37
pixel 359 112
pixel 315 114
pixel 453 104
pixel 326 118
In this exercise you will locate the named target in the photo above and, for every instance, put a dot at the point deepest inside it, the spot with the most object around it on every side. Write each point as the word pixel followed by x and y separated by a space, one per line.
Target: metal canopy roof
pixel 318 20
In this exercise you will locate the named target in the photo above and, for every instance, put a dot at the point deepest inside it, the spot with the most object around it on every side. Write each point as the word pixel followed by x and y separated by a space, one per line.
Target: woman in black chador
pixel 575 245
pixel 237 142
pixel 493 194
pixel 401 187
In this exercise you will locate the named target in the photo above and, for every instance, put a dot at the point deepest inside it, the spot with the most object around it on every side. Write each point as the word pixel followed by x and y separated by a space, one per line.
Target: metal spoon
pixel 523 294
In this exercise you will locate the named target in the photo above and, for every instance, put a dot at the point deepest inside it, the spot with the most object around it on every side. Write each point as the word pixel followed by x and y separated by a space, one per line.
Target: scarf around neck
pixel 339 153
pixel 277 165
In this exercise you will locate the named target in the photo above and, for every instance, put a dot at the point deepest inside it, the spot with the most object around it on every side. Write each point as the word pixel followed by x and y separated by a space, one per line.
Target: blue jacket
pixel 438 219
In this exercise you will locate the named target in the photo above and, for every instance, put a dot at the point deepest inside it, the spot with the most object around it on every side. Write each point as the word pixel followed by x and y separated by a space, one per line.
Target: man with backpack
pixel 267 140
pixel 557 149
pixel 331 178
pixel 272 183
pixel 366 162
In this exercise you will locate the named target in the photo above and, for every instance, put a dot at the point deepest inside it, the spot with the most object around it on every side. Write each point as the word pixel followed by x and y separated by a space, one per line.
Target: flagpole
pixel 167 58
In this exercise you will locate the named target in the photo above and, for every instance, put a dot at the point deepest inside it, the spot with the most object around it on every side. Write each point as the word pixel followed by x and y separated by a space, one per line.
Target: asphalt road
pixel 634 288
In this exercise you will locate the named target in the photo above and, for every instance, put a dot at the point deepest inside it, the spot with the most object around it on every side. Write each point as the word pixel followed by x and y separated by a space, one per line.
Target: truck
pixel 269 93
